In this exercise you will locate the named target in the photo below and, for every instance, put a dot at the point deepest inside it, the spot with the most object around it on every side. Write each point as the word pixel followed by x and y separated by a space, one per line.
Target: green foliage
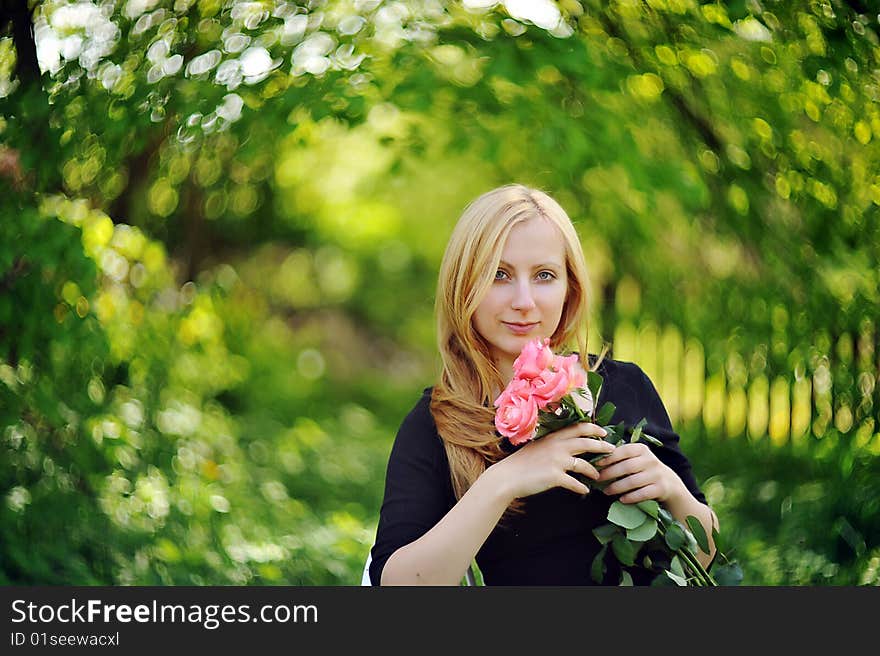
pixel 793 516
pixel 221 226
pixel 699 533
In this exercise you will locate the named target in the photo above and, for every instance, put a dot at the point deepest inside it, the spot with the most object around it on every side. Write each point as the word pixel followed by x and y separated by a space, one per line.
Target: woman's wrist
pixel 496 485
pixel 678 493
pixel 681 503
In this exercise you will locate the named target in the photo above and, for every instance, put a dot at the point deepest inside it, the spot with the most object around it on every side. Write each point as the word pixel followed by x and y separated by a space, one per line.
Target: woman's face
pixel 529 288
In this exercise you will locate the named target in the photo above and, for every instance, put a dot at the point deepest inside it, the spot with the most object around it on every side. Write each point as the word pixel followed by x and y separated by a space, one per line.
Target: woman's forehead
pixel 534 238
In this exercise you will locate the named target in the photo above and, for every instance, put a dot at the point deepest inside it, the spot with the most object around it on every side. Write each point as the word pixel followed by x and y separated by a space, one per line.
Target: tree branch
pixel 27 68
pixel 33 142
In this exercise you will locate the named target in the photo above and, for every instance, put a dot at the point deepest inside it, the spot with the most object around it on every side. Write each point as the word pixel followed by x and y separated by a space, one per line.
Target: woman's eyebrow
pixel 537 266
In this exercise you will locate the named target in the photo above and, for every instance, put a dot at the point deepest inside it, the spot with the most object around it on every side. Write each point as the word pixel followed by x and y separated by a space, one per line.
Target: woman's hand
pixel 639 474
pixel 546 462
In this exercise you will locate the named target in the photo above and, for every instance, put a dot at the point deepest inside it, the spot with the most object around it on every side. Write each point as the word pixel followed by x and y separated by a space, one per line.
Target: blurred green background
pixel 222 223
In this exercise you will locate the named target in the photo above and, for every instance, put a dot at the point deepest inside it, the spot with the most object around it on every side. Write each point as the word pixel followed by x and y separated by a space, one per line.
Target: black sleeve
pixel 660 426
pixel 418 489
pixel 636 397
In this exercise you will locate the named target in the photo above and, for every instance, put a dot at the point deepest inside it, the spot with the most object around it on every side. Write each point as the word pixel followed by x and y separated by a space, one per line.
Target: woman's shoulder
pixel 420 413
pixel 419 422
pixel 619 370
pixel 417 435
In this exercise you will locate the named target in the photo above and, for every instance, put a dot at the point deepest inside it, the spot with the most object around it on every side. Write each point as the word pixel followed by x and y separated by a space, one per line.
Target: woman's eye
pixel 549 276
pixel 498 274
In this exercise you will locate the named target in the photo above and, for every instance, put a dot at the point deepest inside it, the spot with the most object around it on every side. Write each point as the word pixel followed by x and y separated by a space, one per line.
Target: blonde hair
pixel 461 401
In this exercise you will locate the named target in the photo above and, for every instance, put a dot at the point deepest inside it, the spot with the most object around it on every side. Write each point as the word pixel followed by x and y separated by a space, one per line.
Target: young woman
pixel 514 271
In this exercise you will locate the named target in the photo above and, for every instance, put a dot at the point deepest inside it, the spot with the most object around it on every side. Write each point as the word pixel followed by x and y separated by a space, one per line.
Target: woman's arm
pixel 683 504
pixel 638 475
pixel 442 555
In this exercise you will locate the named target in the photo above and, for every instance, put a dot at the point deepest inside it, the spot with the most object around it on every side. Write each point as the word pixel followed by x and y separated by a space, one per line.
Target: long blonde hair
pixel 461 401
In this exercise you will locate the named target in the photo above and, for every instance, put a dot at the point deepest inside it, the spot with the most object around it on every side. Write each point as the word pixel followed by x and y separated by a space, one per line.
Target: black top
pixel 551 543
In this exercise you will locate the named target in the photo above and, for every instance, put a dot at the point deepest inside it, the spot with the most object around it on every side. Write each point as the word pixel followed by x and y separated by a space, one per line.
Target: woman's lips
pixel 520 330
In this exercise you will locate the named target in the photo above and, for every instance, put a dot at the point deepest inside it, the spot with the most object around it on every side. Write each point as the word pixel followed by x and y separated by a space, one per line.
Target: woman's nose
pixel 523 299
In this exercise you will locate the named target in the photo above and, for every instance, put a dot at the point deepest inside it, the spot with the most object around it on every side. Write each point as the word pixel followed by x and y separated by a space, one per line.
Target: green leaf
pixel 699 533
pixel 605 413
pixel 626 579
pixel 637 430
pixel 716 538
pixel 663 580
pixel 650 506
pixel 729 574
pixel 625 515
pixel 594 384
pixel 619 433
pixel 612 436
pixel 677 567
pixel 597 569
pixel 675 537
pixel 653 441
pixel 679 580
pixel 549 422
pixel 605 533
pixel 624 550
pixel 644 532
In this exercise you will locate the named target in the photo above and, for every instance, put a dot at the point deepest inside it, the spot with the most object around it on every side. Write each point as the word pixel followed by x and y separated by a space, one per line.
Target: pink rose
pixel 576 375
pixel 551 385
pixel 560 378
pixel 517 415
pixel 533 359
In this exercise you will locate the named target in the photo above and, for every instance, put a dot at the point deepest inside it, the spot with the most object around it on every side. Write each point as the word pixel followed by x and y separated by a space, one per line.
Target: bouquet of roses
pixel 549 392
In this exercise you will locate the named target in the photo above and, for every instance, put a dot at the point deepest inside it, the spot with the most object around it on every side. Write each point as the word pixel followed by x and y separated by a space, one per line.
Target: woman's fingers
pixel 571 483
pixel 553 460
pixel 591 445
pixel 624 452
pixel 636 473
pixel 628 483
pixel 582 429
pixel 621 468
pixel 641 494
pixel 581 466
